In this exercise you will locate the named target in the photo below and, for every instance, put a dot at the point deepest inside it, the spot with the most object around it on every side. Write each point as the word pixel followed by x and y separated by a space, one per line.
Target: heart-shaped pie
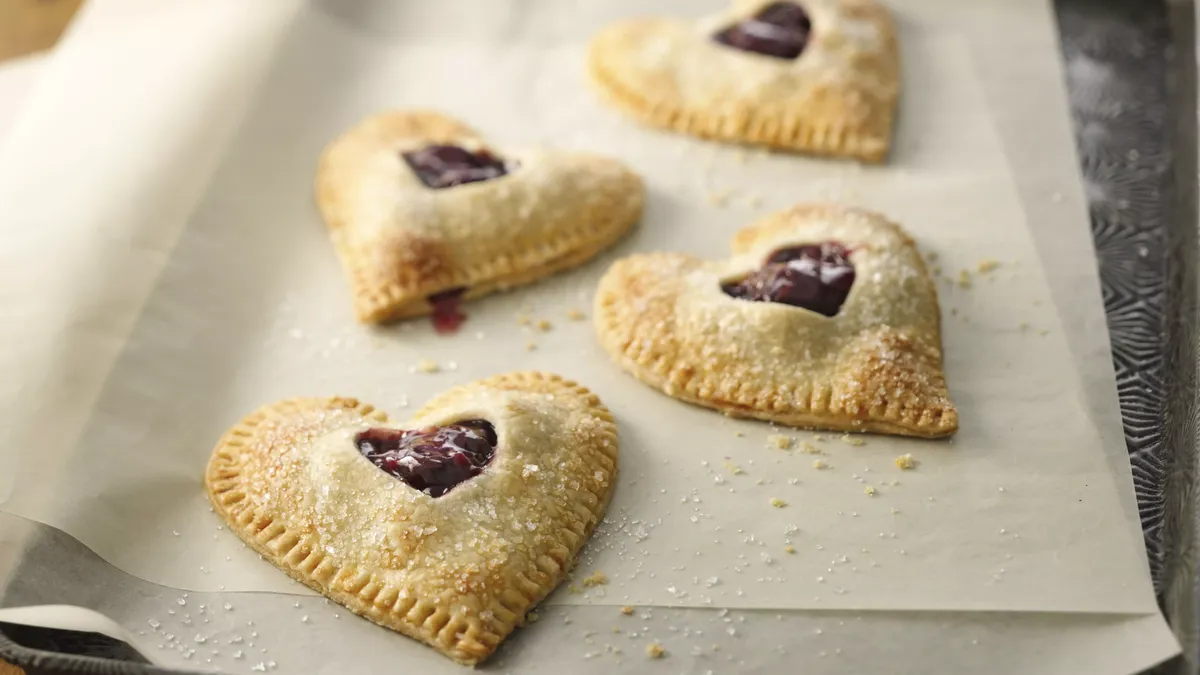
pixel 447 530
pixel 825 318
pixel 816 76
pixel 424 214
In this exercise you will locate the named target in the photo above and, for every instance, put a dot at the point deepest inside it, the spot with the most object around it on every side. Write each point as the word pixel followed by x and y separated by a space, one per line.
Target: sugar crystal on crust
pixel 874 367
pixel 290 482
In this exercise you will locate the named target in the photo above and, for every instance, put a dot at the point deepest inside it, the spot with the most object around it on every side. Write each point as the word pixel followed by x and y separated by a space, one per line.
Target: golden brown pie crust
pixel 458 572
pixel 401 241
pixel 837 98
pixel 876 366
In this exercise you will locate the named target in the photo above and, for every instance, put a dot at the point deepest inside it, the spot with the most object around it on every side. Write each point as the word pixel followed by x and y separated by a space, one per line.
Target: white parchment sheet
pixel 202 351
pixel 1018 513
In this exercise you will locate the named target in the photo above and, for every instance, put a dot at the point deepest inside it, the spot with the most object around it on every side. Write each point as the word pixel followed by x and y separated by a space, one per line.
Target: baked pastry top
pixel 448 529
pixel 825 317
pixel 423 213
pixel 813 76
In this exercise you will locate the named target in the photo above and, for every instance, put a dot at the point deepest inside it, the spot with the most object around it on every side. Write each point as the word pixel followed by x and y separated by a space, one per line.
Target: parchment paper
pixel 1096 638
pixel 1041 149
pixel 1018 513
pixel 239 632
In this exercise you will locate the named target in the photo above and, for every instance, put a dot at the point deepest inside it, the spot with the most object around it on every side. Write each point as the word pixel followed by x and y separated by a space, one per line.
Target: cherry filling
pixel 781 30
pixel 443 166
pixel 433 459
pixel 816 277
pixel 447 311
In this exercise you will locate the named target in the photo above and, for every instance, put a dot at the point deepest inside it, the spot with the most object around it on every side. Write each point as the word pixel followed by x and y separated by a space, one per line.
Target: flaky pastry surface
pixel 876 366
pixel 401 241
pixel 457 572
pixel 837 98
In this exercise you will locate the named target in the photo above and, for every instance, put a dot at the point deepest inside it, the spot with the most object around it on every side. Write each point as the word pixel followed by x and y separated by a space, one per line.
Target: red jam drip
pixel 443 166
pixel 448 316
pixel 433 460
pixel 817 277
pixel 780 30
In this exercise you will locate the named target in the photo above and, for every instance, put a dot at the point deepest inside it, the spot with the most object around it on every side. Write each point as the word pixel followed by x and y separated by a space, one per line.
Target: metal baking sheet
pixel 1135 129
pixel 1136 135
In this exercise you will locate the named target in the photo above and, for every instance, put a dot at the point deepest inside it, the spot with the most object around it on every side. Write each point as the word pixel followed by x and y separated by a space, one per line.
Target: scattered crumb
pixel 870 491
pixel 530 346
pixel 906 462
pixel 1024 325
pixel 531 617
pixel 576 315
pixel 931 256
pixel 627 610
pixel 789 549
pixel 936 271
pixel 597 578
pixel 780 441
pixel 523 320
pixel 852 440
pixel 754 200
pixel 1043 333
pixel 427 366
pixel 820 464
pixel 738 434
pixel 543 325
pixel 818 438
pixel 953 311
pixel 964 278
pixel 733 468
pixel 778 503
pixel 987 265
pixel 810 448
pixel 573 589
pixel 655 651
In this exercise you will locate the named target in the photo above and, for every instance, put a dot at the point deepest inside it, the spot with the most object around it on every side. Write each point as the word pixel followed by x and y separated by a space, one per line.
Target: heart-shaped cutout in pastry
pixel 432 459
pixel 448 529
pixel 424 214
pixel 825 318
pixel 815 76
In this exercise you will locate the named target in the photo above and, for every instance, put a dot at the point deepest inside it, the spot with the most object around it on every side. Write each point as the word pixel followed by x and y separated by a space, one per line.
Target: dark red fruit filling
pixel 443 166
pixel 447 311
pixel 816 277
pixel 780 29
pixel 434 459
